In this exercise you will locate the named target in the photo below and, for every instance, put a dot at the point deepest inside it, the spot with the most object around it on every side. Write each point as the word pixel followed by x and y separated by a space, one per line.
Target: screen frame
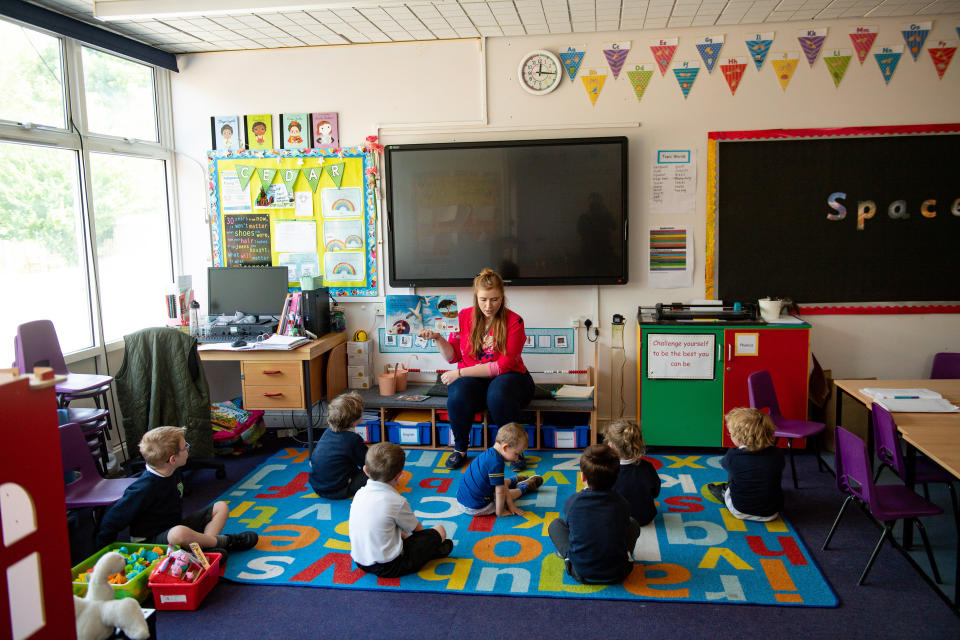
pixel 211 271
pixel 619 279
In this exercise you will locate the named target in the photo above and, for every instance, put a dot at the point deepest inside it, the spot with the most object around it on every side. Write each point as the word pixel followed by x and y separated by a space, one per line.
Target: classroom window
pixel 31 77
pixel 130 216
pixel 42 258
pixel 120 96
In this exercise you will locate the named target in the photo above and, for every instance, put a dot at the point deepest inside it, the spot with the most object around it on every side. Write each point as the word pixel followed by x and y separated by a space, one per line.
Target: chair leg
pixel 836 521
pixel 880 467
pixel 821 465
pixel 793 466
pixel 926 545
pixel 953 501
pixel 876 552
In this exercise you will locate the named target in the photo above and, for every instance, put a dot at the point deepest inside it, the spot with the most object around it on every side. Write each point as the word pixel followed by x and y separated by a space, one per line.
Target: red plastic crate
pixel 443 416
pixel 186 596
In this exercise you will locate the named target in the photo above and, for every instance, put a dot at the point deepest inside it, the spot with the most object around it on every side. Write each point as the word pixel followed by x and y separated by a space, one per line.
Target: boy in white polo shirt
pixel 386 539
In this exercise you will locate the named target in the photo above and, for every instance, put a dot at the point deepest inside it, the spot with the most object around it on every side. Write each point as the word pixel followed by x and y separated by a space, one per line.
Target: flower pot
pixel 388 384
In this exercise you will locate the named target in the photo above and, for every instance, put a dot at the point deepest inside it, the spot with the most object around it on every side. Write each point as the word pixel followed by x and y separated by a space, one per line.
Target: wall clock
pixel 539 72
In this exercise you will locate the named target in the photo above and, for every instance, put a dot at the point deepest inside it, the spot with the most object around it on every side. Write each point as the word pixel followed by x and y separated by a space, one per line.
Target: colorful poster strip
pixel 733 69
pixel 663 51
pixel 837 63
pixel 915 35
pixel 709 49
pixel 942 54
pixel 571 57
pixel 784 64
pixel 668 249
pixel 640 78
pixel 811 41
pixel 616 55
pixel 759 46
pixel 862 38
pixel 887 59
pixel 686 73
pixel 593 83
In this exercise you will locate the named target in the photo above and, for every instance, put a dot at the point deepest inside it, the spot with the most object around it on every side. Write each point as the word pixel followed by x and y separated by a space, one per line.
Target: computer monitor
pixel 257 291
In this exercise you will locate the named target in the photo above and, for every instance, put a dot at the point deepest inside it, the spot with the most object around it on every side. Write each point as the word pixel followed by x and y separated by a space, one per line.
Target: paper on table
pixel 900 394
pixel 918 405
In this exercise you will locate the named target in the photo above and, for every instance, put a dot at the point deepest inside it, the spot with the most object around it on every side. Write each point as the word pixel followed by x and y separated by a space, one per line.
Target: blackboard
pixel 777 235
pixel 246 240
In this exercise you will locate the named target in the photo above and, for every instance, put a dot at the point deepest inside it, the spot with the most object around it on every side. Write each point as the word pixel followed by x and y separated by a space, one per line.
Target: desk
pixel 284 380
pixel 935 434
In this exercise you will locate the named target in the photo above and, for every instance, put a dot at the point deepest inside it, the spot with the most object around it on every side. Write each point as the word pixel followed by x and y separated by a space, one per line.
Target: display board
pixel 311 210
pixel 865 214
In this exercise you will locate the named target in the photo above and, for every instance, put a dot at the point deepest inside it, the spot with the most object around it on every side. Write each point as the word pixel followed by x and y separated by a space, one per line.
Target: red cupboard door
pixel 782 352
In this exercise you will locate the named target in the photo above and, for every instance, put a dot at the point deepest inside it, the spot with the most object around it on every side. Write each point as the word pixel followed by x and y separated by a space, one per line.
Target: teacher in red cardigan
pixel 490 373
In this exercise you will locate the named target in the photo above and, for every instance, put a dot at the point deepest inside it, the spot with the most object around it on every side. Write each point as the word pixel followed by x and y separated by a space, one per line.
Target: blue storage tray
pixel 531 430
pixel 415 434
pixel 369 431
pixel 444 437
pixel 565 437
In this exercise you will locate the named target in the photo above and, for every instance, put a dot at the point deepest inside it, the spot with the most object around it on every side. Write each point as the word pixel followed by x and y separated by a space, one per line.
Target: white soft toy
pixel 98 613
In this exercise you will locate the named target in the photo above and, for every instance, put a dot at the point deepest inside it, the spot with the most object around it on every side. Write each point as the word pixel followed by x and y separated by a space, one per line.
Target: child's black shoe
pixel 717 489
pixel 446 548
pixel 242 541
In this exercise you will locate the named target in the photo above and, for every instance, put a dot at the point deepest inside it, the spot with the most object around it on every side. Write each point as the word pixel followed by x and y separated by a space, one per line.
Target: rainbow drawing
pixel 343 204
pixel 344 268
pixel 336 244
pixel 353 241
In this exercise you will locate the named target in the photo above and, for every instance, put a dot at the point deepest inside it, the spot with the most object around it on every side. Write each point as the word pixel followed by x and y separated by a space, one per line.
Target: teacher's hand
pixel 449 377
pixel 428 334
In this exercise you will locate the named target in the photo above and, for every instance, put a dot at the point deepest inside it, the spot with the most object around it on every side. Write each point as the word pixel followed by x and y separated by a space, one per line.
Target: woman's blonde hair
pixel 750 428
pixel 159 444
pixel 626 438
pixel 344 410
pixel 488 279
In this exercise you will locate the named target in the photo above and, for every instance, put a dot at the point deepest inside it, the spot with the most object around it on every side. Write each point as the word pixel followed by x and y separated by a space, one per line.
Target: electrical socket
pixel 575 322
pixel 378 309
pixel 593 323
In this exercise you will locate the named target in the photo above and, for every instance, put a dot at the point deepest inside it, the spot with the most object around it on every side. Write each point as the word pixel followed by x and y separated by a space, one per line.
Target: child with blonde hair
pixel 483 489
pixel 337 460
pixel 637 481
pixel 754 467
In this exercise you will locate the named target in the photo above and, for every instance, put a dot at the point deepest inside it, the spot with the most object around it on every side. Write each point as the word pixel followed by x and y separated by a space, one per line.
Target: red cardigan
pixel 496 362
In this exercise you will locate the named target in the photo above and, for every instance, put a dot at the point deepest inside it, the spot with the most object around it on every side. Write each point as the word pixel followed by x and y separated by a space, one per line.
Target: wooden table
pixel 284 380
pixel 935 434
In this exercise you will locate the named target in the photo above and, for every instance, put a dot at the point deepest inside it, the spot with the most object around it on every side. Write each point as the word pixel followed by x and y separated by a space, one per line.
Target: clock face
pixel 539 72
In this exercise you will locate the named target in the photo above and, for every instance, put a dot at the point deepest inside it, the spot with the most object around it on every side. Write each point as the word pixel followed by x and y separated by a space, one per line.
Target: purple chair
pixel 89 489
pixel 888 451
pixel 764 396
pixel 885 504
pixel 946 365
pixel 93 423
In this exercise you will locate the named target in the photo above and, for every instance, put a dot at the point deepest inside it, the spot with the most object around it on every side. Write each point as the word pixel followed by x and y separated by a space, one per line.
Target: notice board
pixel 311 210
pixel 866 214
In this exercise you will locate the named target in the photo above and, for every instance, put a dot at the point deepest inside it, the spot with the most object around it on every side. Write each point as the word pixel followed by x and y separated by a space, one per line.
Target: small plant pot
pixel 388 384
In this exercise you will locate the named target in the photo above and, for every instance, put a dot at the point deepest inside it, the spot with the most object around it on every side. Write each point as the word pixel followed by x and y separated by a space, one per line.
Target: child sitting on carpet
pixel 754 467
pixel 598 534
pixel 335 465
pixel 483 490
pixel 153 505
pixel 637 481
pixel 386 539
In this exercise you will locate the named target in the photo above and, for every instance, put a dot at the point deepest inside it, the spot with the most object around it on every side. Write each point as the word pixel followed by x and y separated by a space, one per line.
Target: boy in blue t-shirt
pixel 483 489
pixel 336 465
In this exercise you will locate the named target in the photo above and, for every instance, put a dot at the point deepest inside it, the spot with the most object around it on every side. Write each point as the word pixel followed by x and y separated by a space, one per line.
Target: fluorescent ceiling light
pixel 146 9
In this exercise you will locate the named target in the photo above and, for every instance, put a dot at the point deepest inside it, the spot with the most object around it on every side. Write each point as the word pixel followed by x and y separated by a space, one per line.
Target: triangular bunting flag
pixel 863 38
pixel 266 176
pixel 335 171
pixel 887 59
pixel 289 176
pixel 593 83
pixel 733 69
pixel 759 47
pixel 811 41
pixel 837 63
pixel 244 173
pixel 572 57
pixel 784 64
pixel 616 55
pixel 915 35
pixel 663 51
pixel 312 176
pixel 709 48
pixel 942 54
pixel 640 78
pixel 686 73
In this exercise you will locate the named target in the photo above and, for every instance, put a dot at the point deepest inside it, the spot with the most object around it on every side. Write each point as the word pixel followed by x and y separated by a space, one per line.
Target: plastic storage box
pixel 565 437
pixel 443 416
pixel 369 431
pixel 445 436
pixel 408 433
pixel 186 596
pixel 136 588
pixel 529 428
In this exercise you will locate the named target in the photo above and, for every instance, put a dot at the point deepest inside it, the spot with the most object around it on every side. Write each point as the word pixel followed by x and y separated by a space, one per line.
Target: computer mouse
pixel 239 342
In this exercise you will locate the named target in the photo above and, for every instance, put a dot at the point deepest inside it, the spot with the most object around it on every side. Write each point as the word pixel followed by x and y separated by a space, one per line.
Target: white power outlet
pixel 593 322
pixel 575 322
pixel 378 309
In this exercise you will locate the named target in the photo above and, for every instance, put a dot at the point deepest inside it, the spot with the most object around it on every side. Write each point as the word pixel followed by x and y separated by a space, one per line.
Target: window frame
pixel 83 144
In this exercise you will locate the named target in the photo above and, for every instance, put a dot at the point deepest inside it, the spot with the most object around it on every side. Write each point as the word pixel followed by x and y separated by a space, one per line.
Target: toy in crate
pixel 132 583
pixel 184 579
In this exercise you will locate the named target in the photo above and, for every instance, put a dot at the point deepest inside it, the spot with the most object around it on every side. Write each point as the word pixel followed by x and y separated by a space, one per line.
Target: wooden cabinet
pixel 683 391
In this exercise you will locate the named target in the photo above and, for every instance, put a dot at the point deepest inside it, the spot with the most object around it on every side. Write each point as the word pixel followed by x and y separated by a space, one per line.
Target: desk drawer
pixel 272 373
pixel 273 396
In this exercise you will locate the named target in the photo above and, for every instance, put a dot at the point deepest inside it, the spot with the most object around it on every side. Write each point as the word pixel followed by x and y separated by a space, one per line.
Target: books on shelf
pixel 910 400
pixel 573 392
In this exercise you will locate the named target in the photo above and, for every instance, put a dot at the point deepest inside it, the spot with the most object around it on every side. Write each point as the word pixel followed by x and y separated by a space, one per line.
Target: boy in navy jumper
pixel 598 533
pixel 336 466
pixel 153 505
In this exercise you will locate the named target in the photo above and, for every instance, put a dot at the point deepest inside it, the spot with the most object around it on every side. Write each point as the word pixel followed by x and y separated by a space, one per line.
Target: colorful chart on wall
pixel 310 210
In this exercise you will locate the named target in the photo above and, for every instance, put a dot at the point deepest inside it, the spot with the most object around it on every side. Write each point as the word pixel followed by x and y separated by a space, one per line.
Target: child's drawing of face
pixel 259 128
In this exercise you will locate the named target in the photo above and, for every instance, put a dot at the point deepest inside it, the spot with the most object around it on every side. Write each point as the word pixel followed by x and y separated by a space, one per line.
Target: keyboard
pixel 217 339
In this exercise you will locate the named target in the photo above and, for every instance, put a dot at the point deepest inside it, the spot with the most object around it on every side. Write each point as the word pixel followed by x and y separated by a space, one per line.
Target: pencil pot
pixel 388 384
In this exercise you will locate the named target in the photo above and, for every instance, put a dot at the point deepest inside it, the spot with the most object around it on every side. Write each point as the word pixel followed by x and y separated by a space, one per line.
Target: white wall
pixel 374 86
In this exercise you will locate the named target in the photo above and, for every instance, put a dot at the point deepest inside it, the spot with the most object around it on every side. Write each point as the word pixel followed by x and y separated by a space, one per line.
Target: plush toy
pixel 98 613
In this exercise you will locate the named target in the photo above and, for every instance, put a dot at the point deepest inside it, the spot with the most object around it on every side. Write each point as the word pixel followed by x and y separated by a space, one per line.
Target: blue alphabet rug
pixel 693 551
